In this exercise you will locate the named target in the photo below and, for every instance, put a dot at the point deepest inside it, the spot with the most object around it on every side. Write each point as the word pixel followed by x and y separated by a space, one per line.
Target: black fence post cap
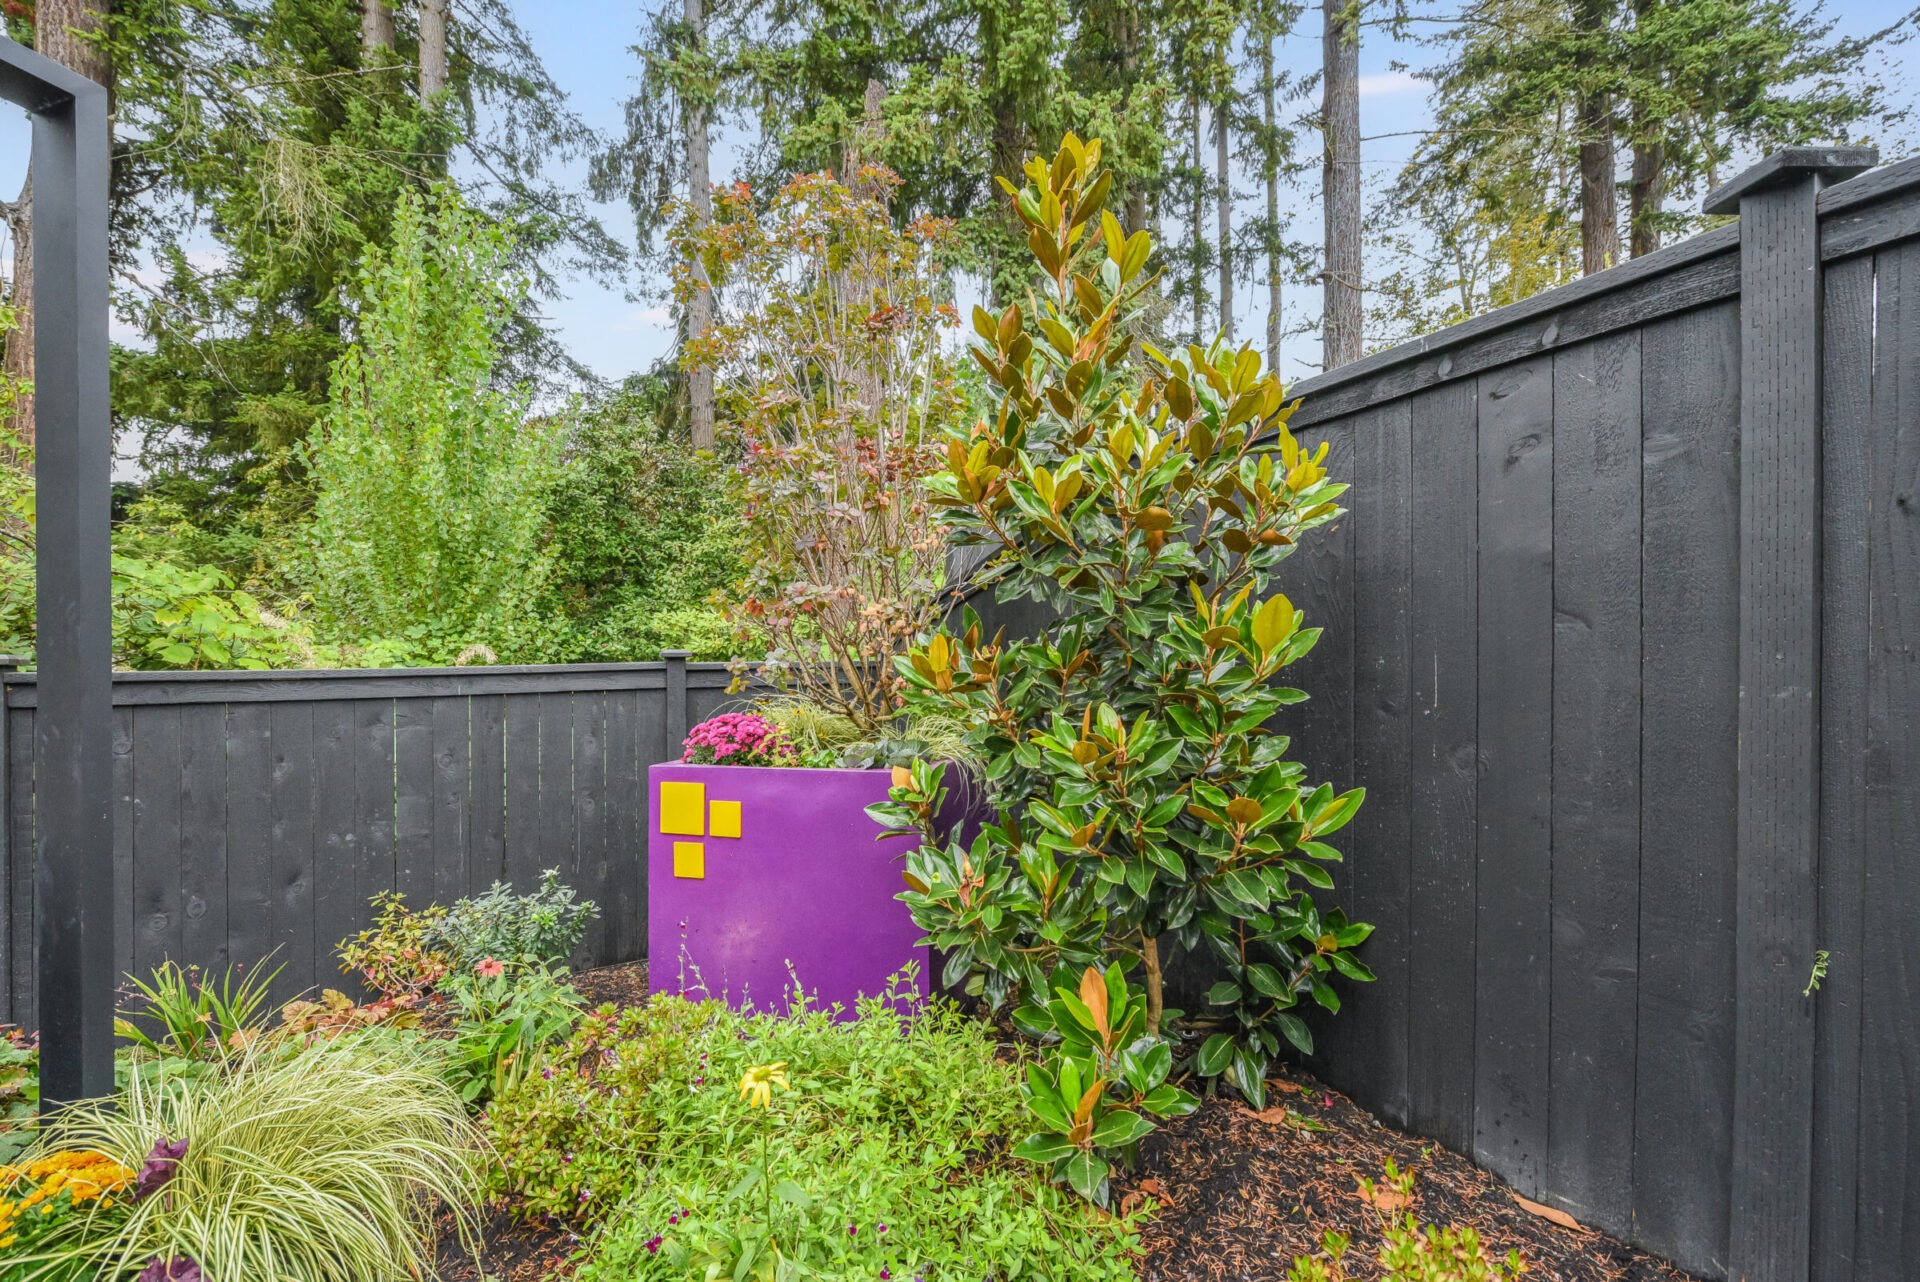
pixel 1835 164
pixel 671 655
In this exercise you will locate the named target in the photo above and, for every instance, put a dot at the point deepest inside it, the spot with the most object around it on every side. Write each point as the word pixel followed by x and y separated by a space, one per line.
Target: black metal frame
pixel 73 879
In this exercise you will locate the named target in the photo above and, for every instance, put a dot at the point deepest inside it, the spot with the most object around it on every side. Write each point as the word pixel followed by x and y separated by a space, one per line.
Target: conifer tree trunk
pixel 1599 198
pixel 1342 309
pixel 1197 257
pixel 1646 196
pixel 1224 194
pixel 376 26
pixel 1272 159
pixel 59 29
pixel 700 194
pixel 433 47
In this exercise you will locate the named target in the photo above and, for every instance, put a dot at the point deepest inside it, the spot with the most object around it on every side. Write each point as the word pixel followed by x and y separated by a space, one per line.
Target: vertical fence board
pixel 123 889
pixel 249 819
pixel 156 838
pixel 487 799
pixel 1371 1029
pixel 523 788
pixel 413 799
pixel 290 846
pixel 1689 566
pixel 1513 946
pixel 1847 427
pixel 1444 754
pixel 1889 1224
pixel 336 836
pixel 624 907
pixel 590 824
pixel 1596 777
pixel 373 785
pixel 556 807
pixel 1319 579
pixel 203 833
pixel 452 756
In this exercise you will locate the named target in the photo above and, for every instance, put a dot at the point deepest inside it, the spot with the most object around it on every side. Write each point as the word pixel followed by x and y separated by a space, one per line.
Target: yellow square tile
pixel 683 808
pixel 690 860
pixel 726 819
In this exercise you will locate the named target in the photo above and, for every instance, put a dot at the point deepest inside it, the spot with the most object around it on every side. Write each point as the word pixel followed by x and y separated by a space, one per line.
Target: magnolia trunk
pixel 759 878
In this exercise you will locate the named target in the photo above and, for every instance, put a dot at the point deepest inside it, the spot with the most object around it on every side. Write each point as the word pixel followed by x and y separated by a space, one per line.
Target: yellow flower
pixel 756 1084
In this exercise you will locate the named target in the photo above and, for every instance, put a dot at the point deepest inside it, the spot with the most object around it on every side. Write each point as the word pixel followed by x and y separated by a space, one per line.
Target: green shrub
pixel 538 929
pixel 315 1163
pixel 505 1017
pixel 428 475
pixel 890 1150
pixel 1144 792
pixel 397 957
pixel 643 533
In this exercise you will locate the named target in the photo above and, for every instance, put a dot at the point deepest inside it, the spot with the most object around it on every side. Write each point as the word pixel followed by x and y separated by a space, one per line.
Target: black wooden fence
pixel 1623 639
pixel 260 811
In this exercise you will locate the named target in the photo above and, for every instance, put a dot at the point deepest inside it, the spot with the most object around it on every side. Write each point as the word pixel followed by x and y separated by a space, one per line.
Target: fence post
pixel 678 711
pixel 16 956
pixel 1777 808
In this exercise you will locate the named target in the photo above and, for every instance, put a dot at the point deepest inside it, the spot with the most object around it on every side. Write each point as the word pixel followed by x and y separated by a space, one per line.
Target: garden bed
pixel 1240 1193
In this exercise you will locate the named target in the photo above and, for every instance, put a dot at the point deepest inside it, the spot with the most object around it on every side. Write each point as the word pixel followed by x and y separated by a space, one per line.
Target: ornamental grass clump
pixel 1135 748
pixel 317 1163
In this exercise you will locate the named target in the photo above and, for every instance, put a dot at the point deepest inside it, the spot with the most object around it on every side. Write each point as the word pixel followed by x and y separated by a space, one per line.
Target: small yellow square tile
pixel 725 819
pixel 690 860
pixel 683 808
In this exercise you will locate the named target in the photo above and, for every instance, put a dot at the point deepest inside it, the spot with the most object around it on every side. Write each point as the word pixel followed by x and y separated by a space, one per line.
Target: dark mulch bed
pixel 510 1250
pixel 622 985
pixel 1242 1193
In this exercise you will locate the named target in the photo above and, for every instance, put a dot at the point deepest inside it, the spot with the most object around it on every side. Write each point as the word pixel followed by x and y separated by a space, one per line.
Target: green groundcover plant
pixel 1143 791
pixel 882 1151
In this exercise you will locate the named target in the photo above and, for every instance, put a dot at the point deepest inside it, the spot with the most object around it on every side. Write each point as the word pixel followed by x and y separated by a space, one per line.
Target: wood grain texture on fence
pixel 1623 638
pixel 258 814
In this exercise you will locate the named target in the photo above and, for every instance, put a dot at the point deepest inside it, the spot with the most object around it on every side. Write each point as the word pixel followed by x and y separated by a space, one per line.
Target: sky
pixel 614 335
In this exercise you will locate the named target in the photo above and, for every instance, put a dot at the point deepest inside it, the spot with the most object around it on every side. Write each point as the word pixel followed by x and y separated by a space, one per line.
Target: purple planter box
pixel 753 869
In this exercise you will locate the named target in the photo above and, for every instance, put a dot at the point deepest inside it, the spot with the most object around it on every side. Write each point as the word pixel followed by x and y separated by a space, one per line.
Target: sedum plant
pixel 1143 789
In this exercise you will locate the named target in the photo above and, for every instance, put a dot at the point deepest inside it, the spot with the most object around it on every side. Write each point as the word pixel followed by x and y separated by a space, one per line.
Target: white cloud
pixel 1384 84
pixel 647 318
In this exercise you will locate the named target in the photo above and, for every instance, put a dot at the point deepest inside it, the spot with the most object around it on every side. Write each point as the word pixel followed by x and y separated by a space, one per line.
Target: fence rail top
pixel 297 684
pixel 1684 271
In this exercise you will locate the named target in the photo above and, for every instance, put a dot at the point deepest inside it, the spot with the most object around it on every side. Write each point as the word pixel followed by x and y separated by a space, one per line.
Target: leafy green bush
pixel 1143 791
pixel 537 929
pixel 504 1018
pixel 890 1150
pixel 428 476
pixel 316 1163
pixel 19 1091
pixel 397 957
pixel 643 533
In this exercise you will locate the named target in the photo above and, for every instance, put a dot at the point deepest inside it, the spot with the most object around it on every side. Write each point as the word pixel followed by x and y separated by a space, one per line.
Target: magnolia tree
pixel 827 346
pixel 1144 794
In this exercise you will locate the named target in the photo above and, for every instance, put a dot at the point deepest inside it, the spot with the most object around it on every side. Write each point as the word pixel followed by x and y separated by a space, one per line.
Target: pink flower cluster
pixel 736 739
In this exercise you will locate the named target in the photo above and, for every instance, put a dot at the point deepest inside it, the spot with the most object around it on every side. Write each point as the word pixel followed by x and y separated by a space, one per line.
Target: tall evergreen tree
pixel 1342 269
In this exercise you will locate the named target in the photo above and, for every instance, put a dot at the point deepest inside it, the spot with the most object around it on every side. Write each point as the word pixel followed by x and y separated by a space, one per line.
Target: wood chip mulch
pixel 1242 1193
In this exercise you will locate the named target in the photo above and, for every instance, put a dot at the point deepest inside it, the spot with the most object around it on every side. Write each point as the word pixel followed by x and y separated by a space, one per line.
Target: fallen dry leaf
pixel 1276 1116
pixel 1561 1218
pixel 1388 1199
pixel 1282 1083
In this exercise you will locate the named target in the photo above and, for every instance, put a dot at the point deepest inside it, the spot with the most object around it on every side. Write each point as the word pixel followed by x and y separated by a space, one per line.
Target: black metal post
pixel 73 878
